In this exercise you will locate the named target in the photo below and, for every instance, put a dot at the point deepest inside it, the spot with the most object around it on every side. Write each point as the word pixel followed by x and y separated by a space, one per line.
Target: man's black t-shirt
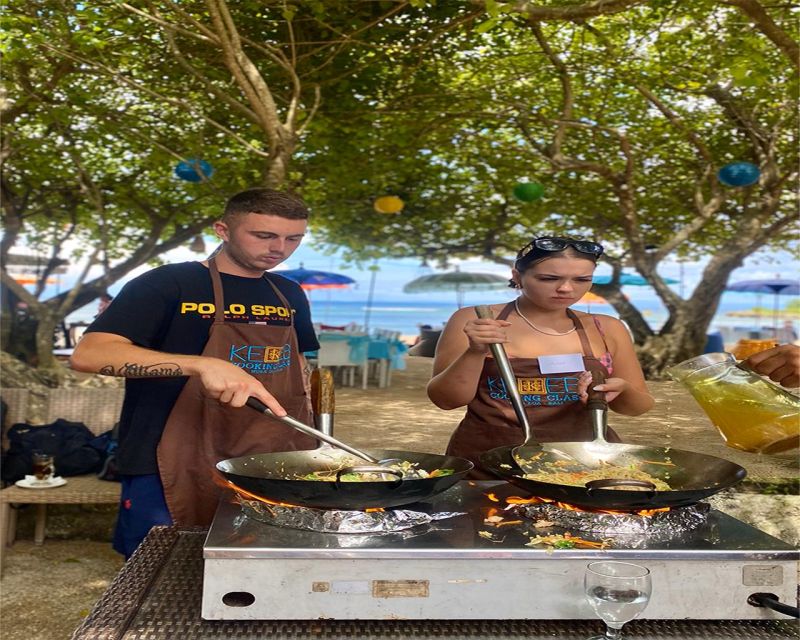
pixel 171 309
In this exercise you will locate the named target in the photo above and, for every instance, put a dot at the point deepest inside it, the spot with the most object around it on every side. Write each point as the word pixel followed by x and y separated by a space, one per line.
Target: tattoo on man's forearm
pixel 133 370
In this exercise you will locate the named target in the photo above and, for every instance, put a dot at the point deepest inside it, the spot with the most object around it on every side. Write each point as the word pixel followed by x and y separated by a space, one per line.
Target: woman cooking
pixel 553 351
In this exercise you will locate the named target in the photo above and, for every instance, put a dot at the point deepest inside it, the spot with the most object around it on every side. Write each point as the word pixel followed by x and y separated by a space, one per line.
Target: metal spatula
pixel 255 403
pixel 530 447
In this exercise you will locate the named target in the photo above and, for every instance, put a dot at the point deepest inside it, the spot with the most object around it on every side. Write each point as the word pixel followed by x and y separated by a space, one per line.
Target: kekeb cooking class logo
pixel 549 391
pixel 260 358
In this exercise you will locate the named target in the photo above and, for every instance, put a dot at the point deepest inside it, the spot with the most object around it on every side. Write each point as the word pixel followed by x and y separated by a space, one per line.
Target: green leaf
pixel 486 25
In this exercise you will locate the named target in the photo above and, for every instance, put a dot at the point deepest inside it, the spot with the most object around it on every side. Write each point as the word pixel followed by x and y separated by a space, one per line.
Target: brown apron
pixel 200 431
pixel 551 403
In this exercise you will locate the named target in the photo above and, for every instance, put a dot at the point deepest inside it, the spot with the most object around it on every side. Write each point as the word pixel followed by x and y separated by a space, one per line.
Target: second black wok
pixel 691 476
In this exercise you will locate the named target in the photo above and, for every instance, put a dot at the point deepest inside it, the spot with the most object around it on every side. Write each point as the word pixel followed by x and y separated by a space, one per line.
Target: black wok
pixel 275 477
pixel 691 476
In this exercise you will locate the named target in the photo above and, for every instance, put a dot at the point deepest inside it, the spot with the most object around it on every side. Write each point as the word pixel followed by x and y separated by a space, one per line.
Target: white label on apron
pixel 562 363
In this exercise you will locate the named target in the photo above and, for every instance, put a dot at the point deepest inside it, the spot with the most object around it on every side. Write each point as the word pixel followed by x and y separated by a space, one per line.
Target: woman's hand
pixel 481 332
pixel 612 387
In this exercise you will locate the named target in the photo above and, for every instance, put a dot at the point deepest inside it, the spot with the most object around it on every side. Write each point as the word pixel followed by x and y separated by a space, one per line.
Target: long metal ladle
pixel 525 454
pixel 530 447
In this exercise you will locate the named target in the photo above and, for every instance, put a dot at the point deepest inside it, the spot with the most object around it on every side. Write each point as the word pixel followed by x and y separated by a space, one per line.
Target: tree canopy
pixel 623 110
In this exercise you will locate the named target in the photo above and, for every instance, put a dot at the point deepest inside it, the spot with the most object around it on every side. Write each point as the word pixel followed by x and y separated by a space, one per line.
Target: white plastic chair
pixel 336 353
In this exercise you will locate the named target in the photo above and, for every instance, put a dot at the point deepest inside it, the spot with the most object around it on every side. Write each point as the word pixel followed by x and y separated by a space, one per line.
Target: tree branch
pixel 764 22
pixel 183 104
pixel 567 100
pixel 574 12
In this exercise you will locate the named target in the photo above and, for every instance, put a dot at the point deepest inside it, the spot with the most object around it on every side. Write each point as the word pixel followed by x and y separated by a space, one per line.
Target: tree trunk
pixel 19 335
pixel 685 340
pixel 48 365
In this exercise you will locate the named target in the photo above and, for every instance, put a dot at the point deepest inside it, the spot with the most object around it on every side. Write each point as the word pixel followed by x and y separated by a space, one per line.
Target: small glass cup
pixel 618 592
pixel 43 467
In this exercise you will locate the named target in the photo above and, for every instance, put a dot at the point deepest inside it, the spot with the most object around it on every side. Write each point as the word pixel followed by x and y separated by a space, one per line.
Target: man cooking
pixel 194 340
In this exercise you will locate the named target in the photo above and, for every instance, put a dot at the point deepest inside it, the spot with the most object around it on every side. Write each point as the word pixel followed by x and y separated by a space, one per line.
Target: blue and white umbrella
pixel 777 287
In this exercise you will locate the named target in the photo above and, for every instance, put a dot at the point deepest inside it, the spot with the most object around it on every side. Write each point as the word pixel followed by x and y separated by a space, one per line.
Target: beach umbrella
pixel 777 287
pixel 458 281
pixel 310 279
pixel 590 298
pixel 629 279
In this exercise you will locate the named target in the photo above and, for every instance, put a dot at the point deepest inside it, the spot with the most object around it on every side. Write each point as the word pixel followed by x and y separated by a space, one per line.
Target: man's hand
pixel 114 355
pixel 781 364
pixel 232 386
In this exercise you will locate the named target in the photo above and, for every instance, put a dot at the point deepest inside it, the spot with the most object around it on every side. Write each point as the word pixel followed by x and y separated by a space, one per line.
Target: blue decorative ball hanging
pixel 739 174
pixel 193 170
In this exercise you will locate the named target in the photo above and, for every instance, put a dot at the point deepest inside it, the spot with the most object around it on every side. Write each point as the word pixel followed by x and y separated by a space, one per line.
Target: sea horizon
pixel 406 316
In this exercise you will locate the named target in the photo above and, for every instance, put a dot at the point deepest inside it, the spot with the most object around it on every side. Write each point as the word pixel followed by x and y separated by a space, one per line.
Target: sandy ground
pixel 46 591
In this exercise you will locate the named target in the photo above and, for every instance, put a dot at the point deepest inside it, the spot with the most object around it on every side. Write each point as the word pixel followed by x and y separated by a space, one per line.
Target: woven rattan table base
pixel 157 596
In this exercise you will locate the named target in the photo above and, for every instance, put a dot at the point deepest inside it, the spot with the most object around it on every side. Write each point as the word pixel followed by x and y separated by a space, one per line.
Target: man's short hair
pixel 265 201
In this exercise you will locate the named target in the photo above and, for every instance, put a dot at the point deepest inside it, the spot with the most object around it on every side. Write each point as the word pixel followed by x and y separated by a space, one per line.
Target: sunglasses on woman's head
pixel 551 244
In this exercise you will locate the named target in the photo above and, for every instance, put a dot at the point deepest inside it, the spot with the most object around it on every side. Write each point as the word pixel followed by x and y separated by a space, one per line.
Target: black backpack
pixel 108 442
pixel 68 442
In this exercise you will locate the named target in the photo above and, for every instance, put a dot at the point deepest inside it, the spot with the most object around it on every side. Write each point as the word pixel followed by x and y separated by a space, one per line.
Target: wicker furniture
pixel 157 595
pixel 17 402
pixel 99 410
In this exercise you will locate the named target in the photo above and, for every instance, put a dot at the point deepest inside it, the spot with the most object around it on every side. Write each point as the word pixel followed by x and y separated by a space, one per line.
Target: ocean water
pixel 407 315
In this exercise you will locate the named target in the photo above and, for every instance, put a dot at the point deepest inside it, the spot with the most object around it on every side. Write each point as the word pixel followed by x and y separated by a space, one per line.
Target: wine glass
pixel 618 592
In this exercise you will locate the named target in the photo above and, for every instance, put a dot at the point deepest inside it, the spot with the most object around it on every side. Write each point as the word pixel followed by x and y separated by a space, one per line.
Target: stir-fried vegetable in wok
pixel 556 473
pixel 410 471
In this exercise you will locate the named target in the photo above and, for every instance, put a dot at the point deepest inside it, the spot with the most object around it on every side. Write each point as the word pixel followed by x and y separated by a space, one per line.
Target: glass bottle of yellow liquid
pixel 751 413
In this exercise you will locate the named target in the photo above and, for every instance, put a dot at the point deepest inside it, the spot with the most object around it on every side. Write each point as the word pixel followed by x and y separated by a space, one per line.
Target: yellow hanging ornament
pixel 389 204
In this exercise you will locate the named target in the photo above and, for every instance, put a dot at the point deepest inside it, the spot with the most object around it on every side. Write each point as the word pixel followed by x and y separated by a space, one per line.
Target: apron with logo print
pixel 200 431
pixel 551 403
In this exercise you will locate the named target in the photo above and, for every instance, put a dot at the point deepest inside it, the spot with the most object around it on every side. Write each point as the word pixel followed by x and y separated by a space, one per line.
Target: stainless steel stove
pixel 464 568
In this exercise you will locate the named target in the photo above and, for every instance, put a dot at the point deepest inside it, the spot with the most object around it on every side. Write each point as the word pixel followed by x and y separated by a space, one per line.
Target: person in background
pixel 788 333
pixel 194 341
pixel 553 351
pixel 422 329
pixel 781 364
pixel 102 303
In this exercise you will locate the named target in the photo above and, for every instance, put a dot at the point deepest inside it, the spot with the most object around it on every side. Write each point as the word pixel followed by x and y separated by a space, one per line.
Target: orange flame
pixel 571 507
pixel 249 495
